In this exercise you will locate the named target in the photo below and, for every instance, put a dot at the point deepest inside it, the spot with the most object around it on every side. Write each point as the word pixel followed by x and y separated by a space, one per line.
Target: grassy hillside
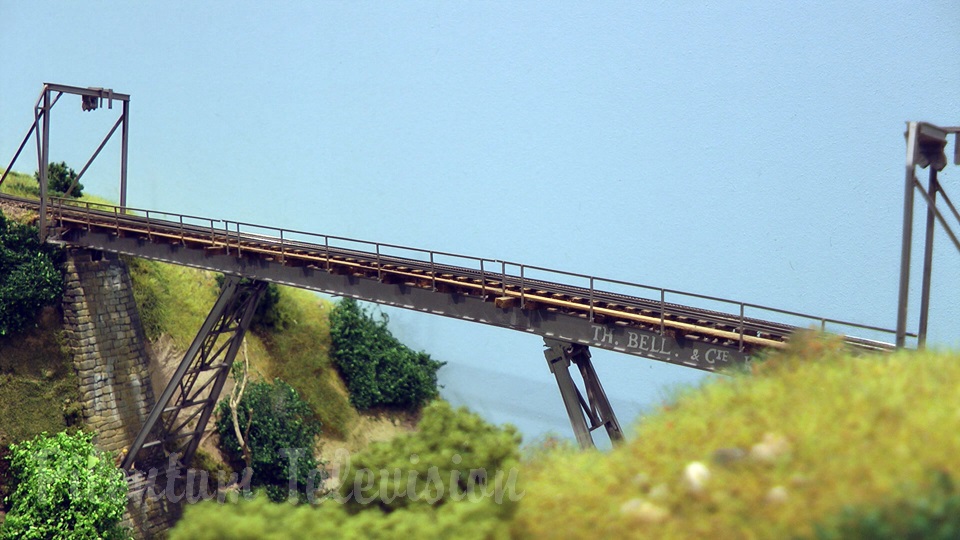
pixel 24 185
pixel 21 185
pixel 174 301
pixel 38 385
pixel 812 432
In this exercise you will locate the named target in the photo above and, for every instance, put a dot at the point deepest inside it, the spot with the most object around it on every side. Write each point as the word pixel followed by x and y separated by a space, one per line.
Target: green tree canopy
pixel 29 279
pixel 275 422
pixel 377 367
pixel 60 177
pixel 68 490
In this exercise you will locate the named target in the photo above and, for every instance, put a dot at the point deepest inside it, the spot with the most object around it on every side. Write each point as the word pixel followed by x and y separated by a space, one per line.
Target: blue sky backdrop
pixel 751 150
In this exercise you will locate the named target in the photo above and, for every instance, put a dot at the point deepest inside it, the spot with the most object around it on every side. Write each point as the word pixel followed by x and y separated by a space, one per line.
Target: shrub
pixel 59 178
pixel 274 421
pixel 454 454
pixel 67 490
pixel 378 369
pixel 29 279
pixel 931 514
pixel 445 437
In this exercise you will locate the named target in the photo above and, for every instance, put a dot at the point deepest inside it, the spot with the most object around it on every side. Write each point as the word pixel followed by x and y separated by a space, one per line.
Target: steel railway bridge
pixel 572 312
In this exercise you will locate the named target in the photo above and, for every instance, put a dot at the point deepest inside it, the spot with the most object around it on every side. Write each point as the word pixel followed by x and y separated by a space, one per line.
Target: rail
pixel 595 293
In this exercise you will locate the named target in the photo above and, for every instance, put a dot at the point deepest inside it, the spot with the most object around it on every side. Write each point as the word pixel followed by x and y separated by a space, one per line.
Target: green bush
pixel 67 490
pixel 274 422
pixel 450 446
pixel 931 514
pixel 378 369
pixel 59 178
pixel 454 455
pixel 29 279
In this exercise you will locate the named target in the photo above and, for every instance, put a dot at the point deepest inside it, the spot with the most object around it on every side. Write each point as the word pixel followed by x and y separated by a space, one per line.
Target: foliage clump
pixel 67 490
pixel 280 431
pixel 931 513
pixel 29 279
pixel 379 370
pixel 443 459
pixel 453 455
pixel 60 177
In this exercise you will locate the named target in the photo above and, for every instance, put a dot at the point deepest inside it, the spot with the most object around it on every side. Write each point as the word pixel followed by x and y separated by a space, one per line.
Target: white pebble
pixel 695 476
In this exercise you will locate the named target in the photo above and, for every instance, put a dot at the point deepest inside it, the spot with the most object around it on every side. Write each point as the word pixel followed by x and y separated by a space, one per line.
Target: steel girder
pixel 179 418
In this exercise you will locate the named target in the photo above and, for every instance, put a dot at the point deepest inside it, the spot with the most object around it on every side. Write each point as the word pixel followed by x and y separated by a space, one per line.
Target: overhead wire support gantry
pixel 926 145
pixel 91 99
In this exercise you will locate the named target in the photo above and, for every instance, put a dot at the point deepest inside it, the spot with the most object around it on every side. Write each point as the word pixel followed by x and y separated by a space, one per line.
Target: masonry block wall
pixel 104 332
pixel 103 329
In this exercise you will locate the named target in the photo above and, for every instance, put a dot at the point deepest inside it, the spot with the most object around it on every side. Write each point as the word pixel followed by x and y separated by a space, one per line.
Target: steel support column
pixel 44 158
pixel 179 418
pixel 586 415
pixel 926 146
pixel 927 260
pixel 124 137
pixel 907 239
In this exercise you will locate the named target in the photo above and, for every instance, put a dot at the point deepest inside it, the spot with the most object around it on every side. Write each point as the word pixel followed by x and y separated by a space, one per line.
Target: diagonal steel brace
pixel 179 418
pixel 596 407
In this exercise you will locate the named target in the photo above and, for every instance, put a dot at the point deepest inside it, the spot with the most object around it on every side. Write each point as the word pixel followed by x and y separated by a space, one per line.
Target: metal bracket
pixel 596 408
pixel 179 418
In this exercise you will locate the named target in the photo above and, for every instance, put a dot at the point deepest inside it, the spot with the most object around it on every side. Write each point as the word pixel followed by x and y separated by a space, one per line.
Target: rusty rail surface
pixel 508 284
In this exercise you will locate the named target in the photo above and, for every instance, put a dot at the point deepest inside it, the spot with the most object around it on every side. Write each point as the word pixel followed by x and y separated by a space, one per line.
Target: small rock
pixel 772 447
pixel 659 492
pixel 726 456
pixel 642 481
pixel 695 476
pixel 644 511
pixel 777 495
pixel 799 480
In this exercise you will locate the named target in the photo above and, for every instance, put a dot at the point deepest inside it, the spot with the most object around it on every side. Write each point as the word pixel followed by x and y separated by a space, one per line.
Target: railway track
pixel 505 284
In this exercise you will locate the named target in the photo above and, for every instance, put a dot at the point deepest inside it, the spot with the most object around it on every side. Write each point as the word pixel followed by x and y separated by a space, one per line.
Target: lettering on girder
pixel 666 348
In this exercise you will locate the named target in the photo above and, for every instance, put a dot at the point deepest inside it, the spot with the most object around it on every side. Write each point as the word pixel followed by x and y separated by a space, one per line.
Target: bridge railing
pixel 529 281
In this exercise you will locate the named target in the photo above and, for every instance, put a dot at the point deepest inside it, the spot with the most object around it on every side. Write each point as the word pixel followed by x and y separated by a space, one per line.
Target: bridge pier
pixel 586 415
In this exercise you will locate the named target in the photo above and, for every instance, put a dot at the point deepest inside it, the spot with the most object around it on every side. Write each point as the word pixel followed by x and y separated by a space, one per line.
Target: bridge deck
pixel 520 297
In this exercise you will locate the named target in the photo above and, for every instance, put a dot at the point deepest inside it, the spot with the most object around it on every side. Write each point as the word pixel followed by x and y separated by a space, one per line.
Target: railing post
pixel 523 299
pixel 239 247
pixel 379 271
pixel 283 251
pixel 116 220
pixel 663 308
pixel 149 229
pixel 182 242
pixel 742 325
pixel 433 272
pixel 591 298
pixel 503 282
pixel 483 281
pixel 326 250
